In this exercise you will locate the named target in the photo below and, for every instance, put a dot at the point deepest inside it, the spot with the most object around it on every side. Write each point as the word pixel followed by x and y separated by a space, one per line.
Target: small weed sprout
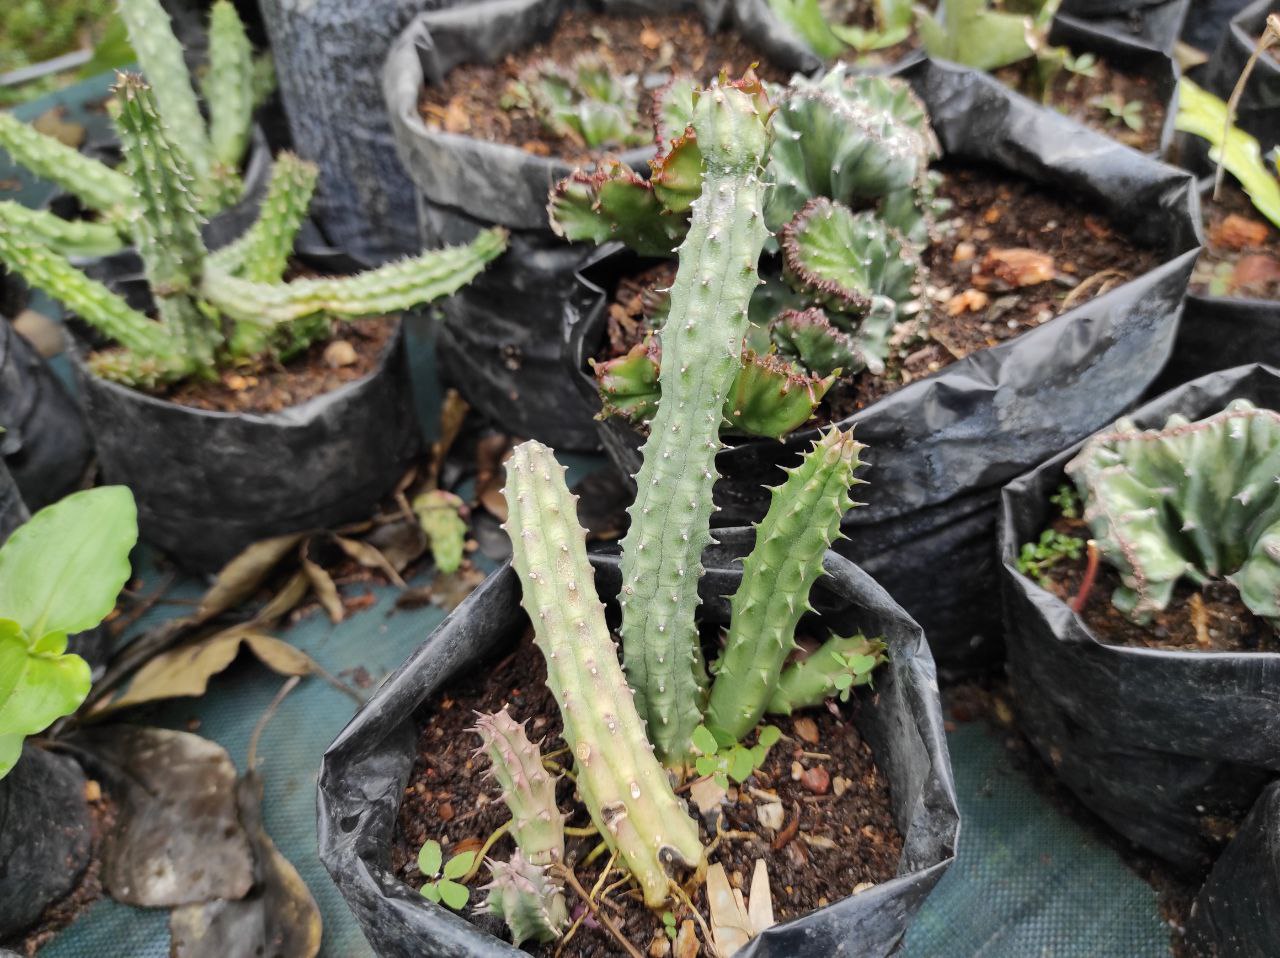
pixel 441 886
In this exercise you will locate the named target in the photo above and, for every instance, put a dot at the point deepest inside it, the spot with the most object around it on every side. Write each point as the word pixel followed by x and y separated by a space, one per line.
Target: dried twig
pixel 572 880
pixel 1270 37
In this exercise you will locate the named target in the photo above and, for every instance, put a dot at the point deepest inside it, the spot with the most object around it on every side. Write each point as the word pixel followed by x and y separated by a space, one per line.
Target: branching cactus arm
pixel 621 783
pixel 701 354
pixel 528 789
pixel 228 90
pixel 67 237
pixel 262 254
pixel 95 184
pixel 527 898
pixel 802 521
pixel 838 665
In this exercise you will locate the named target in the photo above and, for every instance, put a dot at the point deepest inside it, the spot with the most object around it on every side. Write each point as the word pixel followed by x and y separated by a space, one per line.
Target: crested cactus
pixel 622 785
pixel 835 667
pixel 196 293
pixel 588 101
pixel 807 336
pixel 802 521
pixel 527 898
pixel 771 396
pixel 701 350
pixel 1194 500
pixel 528 789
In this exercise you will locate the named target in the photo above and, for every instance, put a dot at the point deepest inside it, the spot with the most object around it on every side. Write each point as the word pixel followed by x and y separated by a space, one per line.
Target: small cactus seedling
pixel 588 101
pixel 440 514
pixel 528 789
pixel 226 308
pixel 527 898
pixel 1194 500
pixel 442 885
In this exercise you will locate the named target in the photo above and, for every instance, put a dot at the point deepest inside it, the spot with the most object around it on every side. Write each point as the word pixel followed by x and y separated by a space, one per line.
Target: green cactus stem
pixel 528 789
pixel 440 516
pixel 848 260
pixel 802 521
pixel 228 90
pixel 527 898
pixel 807 335
pixel 629 384
pixel 613 203
pixel 95 184
pixel 838 665
pixel 1194 500
pixel 67 237
pixel 701 353
pixel 771 396
pixel 620 782
pixel 262 253
pixel 588 102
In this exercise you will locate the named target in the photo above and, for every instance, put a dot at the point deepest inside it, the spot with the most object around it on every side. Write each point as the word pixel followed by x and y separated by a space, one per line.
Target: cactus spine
pixel 838 665
pixel 527 899
pixel 802 522
pixel 701 350
pixel 528 789
pixel 622 785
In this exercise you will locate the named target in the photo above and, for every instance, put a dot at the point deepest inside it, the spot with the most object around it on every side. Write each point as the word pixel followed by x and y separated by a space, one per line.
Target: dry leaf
pixel 369 557
pixel 1238 232
pixel 53 123
pixel 687 944
pixel 279 656
pixel 1013 268
pixel 243 576
pixel 450 589
pixel 730 923
pixel 491 453
pixel 400 542
pixel 969 301
pixel 453 412
pixel 325 590
pixel 760 904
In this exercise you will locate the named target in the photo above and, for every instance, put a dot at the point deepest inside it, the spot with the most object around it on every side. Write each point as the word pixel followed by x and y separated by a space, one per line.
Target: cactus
pixel 701 350
pixel 890 24
pixel 807 336
pixel 196 293
pixel 68 237
pixel 1195 500
pixel 802 521
pixel 527 899
pixel 835 667
pixel 613 203
pixel 622 785
pixel 771 397
pixel 440 516
pixel 228 89
pixel 528 789
pixel 629 384
pixel 587 102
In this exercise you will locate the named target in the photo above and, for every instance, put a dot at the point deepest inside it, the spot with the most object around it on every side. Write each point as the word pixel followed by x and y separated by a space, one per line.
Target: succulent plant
pixel 440 514
pixel 587 101
pixel 227 307
pixel 841 142
pixel 1194 500
pixel 838 665
pixel 829 36
pixel 527 898
pixel 528 789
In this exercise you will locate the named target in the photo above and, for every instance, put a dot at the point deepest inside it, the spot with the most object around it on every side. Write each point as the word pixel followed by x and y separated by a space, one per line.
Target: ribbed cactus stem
pixel 68 237
pixel 388 289
pixel 529 900
pixel 802 521
pixel 440 514
pixel 262 253
pixel 228 86
pixel 160 57
pixel 839 664
pixel 701 352
pixel 167 227
pixel 528 789
pixel 620 782
pixel 95 184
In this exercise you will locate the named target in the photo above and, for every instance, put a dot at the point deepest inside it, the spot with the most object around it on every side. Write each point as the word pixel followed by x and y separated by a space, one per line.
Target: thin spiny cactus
pixel 527 898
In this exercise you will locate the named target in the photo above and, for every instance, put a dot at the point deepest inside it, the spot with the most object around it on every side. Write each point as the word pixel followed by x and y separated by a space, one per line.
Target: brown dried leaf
pixel 969 301
pixel 453 412
pixel 449 590
pixel 325 590
pixel 1238 232
pixel 369 557
pixel 760 902
pixel 1013 268
pixel 491 452
pixel 279 656
pixel 243 576
pixel 730 923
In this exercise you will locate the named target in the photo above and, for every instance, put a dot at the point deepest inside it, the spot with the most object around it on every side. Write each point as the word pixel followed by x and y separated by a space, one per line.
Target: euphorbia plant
pixel 847 186
pixel 587 101
pixel 60 574
pixel 629 726
pixel 224 308
pixel 233 85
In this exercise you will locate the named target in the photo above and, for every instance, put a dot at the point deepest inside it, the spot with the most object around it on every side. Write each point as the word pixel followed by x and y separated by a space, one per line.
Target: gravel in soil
pixel 1211 619
pixel 1241 255
pixel 473 100
pixel 838 832
pixel 1096 99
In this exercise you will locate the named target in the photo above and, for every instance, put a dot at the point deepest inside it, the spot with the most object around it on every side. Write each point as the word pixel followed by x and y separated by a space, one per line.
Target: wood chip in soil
pixel 1212 619
pixel 1077 96
pixel 1241 256
pixel 470 101
pixel 450 798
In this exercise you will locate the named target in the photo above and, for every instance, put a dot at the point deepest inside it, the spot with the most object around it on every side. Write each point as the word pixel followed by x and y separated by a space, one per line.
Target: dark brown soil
pixel 102 819
pixel 1241 255
pixel 471 99
pixel 1078 97
pixel 840 843
pixel 1224 623
pixel 271 388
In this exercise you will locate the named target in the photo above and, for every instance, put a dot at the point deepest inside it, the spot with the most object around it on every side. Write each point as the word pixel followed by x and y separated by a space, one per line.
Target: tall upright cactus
pixel 701 351
pixel 622 785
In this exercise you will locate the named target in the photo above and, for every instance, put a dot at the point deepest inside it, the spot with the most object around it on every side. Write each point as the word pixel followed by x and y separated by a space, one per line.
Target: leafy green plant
pixel 1084 65
pixel 1194 500
pixel 1067 501
pixel 720 756
pixel 1036 558
pixel 60 574
pixel 443 886
pixel 588 101
pixel 440 514
pixel 982 35
pixel 1130 113
pixel 890 24
pixel 216 309
pixel 844 281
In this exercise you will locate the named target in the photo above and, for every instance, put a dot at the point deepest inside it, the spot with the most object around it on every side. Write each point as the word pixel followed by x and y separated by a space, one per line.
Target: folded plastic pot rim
pixel 1154 24
pixel 364 771
pixel 497 182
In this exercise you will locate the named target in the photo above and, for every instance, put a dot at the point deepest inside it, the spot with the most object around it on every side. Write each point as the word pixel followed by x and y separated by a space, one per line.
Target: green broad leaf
pixel 459 865
pixel 769 736
pixel 62 570
pixel 429 858
pixel 721 779
pixel 705 764
pixel 704 740
pixel 862 664
pixel 740 764
pixel 453 894
pixel 970 33
pixel 36 689
pixel 431 892
pixel 758 754
pixel 843 681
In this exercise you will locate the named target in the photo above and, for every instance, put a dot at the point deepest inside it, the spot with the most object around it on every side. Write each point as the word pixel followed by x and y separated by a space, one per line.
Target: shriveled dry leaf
pixel 760 903
pixel 243 576
pixel 400 542
pixel 1013 268
pixel 730 923
pixel 325 590
pixel 369 557
pixel 453 412
pixel 491 453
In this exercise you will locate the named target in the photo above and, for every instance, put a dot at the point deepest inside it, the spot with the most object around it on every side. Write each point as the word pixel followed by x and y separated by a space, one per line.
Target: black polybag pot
pixel 13 511
pixel 1154 24
pixel 45 444
pixel 1258 110
pixel 499 341
pixel 208 483
pixel 940 448
pixel 1219 332
pixel 365 770
pixel 45 837
pixel 1237 913
pixel 1163 745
